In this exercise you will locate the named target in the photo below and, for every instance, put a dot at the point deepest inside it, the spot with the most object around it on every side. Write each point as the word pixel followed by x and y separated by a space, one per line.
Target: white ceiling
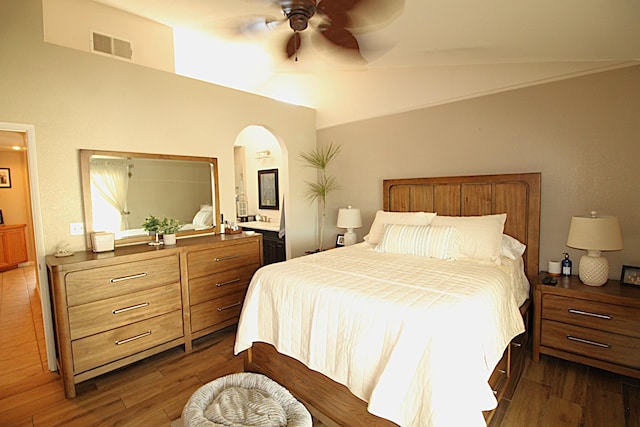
pixel 430 52
pixel 10 139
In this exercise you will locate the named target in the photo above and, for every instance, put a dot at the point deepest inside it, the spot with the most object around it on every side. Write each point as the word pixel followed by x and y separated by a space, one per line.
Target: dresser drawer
pixel 106 282
pixel 216 311
pixel 592 314
pixel 100 316
pixel 208 261
pixel 499 374
pixel 220 284
pixel 618 349
pixel 97 350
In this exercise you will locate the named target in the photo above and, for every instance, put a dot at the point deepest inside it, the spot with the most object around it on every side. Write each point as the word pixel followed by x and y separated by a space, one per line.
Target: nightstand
pixel 596 326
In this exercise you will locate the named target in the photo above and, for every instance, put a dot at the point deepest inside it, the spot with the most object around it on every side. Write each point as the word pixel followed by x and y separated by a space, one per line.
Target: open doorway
pixel 257 150
pixel 25 208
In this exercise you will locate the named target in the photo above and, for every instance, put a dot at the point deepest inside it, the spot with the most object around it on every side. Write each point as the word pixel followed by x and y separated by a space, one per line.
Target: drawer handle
pixel 516 344
pixel 227 283
pixel 137 337
pixel 133 307
pixel 502 371
pixel 582 340
pixel 586 313
pixel 216 259
pixel 133 276
pixel 228 307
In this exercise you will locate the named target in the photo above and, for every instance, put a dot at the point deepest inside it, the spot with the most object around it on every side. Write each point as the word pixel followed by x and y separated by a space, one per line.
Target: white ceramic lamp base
pixel 349 237
pixel 594 269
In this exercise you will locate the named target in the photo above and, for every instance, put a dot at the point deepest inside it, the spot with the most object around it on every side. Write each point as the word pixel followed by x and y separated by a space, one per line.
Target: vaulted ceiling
pixel 417 53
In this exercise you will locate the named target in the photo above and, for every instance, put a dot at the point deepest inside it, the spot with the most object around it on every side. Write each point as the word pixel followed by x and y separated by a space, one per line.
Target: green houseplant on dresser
pixel 168 227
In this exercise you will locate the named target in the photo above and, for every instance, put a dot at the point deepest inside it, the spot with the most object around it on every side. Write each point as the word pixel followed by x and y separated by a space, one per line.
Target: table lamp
pixel 349 218
pixel 594 234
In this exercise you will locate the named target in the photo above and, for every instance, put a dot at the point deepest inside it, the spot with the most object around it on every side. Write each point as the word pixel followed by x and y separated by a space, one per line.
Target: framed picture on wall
pixel 268 197
pixel 5 178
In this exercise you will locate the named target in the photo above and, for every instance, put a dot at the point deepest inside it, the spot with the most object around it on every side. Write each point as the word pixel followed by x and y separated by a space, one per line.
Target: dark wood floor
pixel 153 392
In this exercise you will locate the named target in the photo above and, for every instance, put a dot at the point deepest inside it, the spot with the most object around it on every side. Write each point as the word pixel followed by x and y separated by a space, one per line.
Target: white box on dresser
pixel 114 308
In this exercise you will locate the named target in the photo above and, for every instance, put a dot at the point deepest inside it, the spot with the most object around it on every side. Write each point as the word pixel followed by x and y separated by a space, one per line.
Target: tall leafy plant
pixel 317 192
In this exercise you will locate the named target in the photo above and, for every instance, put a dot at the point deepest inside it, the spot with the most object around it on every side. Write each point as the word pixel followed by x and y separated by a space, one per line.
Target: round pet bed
pixel 244 400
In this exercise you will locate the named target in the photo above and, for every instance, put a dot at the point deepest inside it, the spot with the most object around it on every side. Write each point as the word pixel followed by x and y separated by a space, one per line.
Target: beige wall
pixel 583 134
pixel 81 100
pixel 151 42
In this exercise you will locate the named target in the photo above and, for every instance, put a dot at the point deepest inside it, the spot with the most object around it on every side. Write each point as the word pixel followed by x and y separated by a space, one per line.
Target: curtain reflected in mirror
pixel 109 187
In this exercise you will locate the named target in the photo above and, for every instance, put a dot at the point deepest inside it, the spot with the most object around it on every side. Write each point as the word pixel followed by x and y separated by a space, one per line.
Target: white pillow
pixel 204 218
pixel 481 236
pixel 382 217
pixel 512 247
pixel 422 240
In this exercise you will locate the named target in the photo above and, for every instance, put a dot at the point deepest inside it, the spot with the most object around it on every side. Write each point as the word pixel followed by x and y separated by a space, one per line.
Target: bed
pixel 373 334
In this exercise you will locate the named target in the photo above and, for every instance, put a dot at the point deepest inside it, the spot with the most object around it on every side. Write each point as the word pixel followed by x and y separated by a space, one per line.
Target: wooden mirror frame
pixel 85 155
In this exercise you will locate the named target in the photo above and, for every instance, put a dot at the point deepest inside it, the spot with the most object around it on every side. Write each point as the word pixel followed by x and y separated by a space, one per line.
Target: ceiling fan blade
pixel 338 5
pixel 360 13
pixel 293 45
pixel 340 36
pixel 258 24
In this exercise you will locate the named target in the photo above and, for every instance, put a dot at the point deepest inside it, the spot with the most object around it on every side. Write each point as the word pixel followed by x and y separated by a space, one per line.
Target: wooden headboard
pixel 517 195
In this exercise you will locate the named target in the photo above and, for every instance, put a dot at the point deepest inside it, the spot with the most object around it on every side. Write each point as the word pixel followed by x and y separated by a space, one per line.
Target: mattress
pixel 415 337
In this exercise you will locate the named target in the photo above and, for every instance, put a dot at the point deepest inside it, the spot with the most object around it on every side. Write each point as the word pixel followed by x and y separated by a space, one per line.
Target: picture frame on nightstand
pixel 630 275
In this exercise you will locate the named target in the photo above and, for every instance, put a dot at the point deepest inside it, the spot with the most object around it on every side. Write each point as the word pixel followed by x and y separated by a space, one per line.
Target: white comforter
pixel 417 338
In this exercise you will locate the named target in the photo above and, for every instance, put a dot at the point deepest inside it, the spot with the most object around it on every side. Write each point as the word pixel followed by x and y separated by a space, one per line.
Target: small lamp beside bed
pixel 349 218
pixel 594 234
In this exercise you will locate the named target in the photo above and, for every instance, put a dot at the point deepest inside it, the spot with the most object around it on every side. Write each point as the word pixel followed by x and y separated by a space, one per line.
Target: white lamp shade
pixel 349 218
pixel 594 234
pixel 600 233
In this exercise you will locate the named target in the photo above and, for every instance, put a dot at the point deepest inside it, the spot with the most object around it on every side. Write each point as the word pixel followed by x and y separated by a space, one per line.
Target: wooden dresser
pixel 217 279
pixel 597 326
pixel 13 245
pixel 115 308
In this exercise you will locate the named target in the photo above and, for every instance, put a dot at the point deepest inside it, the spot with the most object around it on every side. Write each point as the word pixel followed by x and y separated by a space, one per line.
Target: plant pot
pixel 169 239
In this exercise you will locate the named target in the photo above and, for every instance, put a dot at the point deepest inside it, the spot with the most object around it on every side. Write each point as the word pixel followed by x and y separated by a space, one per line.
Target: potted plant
pixel 168 227
pixel 318 191
pixel 151 224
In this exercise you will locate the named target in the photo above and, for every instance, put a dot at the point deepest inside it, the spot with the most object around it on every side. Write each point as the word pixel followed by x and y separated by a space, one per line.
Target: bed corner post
pixel 248 359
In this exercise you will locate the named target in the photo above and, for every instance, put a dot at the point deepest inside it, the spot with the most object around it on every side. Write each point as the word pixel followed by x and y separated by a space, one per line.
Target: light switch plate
pixel 76 228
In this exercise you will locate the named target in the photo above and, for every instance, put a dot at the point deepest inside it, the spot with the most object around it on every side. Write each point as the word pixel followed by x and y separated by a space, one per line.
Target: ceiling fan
pixel 337 21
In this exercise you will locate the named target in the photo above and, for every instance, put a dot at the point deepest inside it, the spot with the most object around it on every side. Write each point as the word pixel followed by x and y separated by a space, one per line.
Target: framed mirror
pixel 121 189
pixel 268 197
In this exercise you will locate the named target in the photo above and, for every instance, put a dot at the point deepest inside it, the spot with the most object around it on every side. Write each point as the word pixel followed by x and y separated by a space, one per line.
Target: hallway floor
pixel 23 353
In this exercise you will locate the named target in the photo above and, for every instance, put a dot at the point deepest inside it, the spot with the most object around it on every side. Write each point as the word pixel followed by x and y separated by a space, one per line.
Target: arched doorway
pixel 257 149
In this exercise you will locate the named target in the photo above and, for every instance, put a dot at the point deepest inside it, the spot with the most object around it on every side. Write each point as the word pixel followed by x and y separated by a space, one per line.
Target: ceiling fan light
pixel 298 21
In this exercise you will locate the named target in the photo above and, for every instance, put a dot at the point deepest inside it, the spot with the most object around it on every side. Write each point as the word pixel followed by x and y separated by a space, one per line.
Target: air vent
pixel 112 46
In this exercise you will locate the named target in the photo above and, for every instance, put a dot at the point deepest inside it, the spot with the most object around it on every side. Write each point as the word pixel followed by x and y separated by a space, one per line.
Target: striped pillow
pixel 422 240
